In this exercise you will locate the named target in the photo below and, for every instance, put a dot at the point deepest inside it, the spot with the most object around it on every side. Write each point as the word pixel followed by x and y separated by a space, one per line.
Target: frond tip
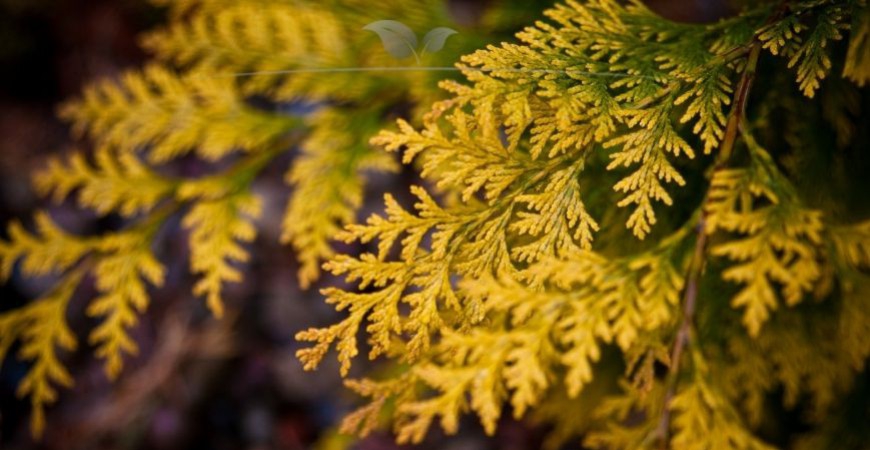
pixel 120 273
pixel 780 239
pixel 49 251
pixel 42 328
pixel 328 185
pixel 217 229
pixel 118 182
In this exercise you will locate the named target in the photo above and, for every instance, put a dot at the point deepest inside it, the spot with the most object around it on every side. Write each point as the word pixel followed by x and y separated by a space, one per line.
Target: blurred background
pixel 198 382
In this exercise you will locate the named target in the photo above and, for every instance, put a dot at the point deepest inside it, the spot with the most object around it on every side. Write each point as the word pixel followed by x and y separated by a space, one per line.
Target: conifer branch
pixel 490 293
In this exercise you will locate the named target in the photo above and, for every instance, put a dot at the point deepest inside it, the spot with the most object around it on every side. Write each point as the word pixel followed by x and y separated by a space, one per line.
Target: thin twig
pixel 696 266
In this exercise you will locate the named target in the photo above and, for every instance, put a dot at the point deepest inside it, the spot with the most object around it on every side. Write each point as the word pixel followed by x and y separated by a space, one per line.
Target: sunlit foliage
pixel 566 215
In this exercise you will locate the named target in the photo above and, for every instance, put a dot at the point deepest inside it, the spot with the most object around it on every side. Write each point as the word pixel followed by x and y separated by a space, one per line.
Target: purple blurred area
pixel 197 382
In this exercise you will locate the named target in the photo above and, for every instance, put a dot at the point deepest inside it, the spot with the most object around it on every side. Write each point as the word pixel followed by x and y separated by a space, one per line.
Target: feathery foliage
pixel 227 90
pixel 625 226
pixel 515 272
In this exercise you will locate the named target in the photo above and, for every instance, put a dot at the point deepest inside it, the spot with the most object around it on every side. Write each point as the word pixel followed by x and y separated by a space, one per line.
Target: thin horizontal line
pixel 427 69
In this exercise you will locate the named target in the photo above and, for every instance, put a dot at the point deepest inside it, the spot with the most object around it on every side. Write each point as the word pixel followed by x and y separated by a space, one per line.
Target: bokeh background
pixel 197 383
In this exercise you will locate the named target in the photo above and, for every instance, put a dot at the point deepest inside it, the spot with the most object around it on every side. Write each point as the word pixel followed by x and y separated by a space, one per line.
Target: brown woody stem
pixel 696 266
